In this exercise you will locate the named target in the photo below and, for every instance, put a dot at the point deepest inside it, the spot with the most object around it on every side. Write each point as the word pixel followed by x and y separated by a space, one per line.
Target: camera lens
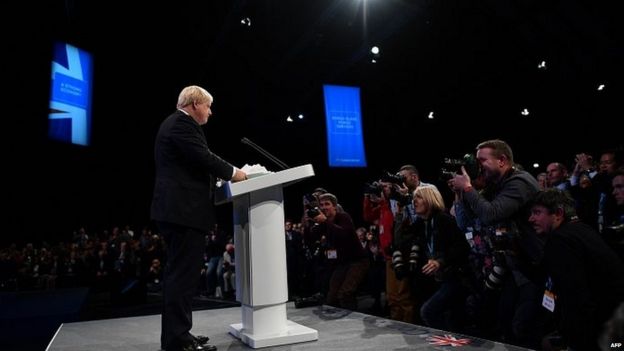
pixel 397 265
pixel 494 280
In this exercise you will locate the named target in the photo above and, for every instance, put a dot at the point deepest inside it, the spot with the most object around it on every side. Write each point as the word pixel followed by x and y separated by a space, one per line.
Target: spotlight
pixel 536 165
pixel 601 87
pixel 300 116
pixel 430 115
pixel 289 119
pixel 374 54
pixel 246 22
pixel 525 112
pixel 542 65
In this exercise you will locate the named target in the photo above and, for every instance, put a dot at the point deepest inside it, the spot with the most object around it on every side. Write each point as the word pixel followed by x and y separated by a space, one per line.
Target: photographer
pixel 316 269
pixel 502 209
pixel 377 207
pixel 585 278
pixel 350 262
pixel 438 261
pixel 398 283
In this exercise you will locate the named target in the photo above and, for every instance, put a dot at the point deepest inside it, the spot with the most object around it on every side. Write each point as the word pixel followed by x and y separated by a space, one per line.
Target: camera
pixel 452 166
pixel 310 201
pixel 313 212
pixel 403 200
pixel 373 189
pixel 392 178
pixel 314 300
pixel 494 280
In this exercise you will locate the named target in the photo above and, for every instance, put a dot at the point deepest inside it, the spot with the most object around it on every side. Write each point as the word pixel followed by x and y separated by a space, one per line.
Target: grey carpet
pixel 338 330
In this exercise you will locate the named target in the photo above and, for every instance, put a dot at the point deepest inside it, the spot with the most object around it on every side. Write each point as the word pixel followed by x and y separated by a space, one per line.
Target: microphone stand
pixel 264 153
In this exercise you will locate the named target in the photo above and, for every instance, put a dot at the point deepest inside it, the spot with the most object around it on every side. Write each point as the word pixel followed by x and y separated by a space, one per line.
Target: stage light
pixel 374 51
pixel 525 112
pixel 542 65
pixel 300 116
pixel 601 87
pixel 289 119
pixel 536 165
pixel 246 22
pixel 430 115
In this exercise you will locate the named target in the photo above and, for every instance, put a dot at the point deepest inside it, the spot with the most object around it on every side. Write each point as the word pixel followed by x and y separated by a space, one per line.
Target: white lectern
pixel 261 284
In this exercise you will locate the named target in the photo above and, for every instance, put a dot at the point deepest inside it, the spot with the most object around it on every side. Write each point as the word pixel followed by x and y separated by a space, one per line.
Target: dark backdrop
pixel 474 63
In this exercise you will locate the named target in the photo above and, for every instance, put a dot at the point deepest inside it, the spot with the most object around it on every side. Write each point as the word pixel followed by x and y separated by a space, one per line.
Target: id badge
pixel 548 302
pixel 332 254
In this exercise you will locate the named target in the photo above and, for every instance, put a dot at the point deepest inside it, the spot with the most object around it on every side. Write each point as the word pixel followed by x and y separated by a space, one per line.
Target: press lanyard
pixel 429 236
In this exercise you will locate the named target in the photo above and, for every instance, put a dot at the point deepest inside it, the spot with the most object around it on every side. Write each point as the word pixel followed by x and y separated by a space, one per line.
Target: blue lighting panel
pixel 70 95
pixel 343 116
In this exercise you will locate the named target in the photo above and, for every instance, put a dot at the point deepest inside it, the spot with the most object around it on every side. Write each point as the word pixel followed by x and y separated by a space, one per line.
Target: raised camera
pixel 393 178
pixel 452 167
pixel 313 212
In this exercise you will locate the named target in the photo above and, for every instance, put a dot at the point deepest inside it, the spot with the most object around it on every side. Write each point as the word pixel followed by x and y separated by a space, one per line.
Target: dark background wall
pixel 474 63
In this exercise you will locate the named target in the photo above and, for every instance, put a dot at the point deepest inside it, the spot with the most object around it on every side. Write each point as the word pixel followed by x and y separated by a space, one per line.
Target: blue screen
pixel 70 95
pixel 345 141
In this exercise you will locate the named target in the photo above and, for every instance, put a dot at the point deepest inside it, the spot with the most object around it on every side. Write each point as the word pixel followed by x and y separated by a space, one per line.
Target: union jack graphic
pixel 447 340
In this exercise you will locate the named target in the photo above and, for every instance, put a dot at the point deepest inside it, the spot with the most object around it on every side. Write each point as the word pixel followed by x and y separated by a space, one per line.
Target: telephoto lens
pixel 400 270
pixel 494 280
pixel 413 259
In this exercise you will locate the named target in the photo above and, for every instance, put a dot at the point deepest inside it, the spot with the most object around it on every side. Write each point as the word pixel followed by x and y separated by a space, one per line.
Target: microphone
pixel 265 153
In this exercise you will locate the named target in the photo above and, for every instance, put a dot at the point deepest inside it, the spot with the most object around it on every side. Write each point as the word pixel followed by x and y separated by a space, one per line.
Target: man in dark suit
pixel 183 208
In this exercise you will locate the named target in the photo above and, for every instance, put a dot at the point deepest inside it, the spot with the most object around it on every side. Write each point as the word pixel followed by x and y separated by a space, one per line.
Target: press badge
pixel 469 239
pixel 469 233
pixel 548 302
pixel 332 254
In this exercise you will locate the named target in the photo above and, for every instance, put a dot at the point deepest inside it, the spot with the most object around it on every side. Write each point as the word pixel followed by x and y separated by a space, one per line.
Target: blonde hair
pixel 193 94
pixel 432 197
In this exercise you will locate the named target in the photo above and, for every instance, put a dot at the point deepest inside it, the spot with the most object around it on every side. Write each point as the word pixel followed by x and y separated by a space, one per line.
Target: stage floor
pixel 338 330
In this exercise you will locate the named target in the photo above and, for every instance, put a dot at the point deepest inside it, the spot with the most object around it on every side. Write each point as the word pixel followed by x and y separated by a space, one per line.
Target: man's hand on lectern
pixel 239 175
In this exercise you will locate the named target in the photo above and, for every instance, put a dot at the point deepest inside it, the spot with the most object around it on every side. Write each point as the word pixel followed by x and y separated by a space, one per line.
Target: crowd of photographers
pixel 508 260
pixel 531 262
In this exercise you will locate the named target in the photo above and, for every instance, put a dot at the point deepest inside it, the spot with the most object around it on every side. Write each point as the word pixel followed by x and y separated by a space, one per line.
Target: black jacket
pixel 588 280
pixel 185 174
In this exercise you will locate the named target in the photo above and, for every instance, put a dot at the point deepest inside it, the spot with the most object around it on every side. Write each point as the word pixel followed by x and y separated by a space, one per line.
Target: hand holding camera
pixel 461 181
pixel 316 215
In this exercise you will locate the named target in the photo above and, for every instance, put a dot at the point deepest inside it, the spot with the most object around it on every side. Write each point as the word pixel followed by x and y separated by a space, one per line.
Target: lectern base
pixel 294 333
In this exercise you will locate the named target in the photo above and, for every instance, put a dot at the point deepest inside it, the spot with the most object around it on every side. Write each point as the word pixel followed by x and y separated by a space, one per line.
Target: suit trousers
pixel 185 249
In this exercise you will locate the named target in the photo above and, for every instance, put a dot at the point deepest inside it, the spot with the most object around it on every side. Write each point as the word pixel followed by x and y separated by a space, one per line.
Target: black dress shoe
pixel 194 346
pixel 201 339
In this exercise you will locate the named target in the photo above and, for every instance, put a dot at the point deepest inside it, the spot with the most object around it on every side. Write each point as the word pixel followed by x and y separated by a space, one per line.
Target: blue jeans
pixel 214 270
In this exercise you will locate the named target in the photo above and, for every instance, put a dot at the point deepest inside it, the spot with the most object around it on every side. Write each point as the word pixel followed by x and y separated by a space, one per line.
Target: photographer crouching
pixel 347 257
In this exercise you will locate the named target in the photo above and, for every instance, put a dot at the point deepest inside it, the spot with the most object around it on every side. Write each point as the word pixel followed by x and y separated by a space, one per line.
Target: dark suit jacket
pixel 185 174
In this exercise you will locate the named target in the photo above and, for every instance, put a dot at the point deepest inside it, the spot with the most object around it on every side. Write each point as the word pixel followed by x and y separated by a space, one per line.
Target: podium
pixel 261 284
